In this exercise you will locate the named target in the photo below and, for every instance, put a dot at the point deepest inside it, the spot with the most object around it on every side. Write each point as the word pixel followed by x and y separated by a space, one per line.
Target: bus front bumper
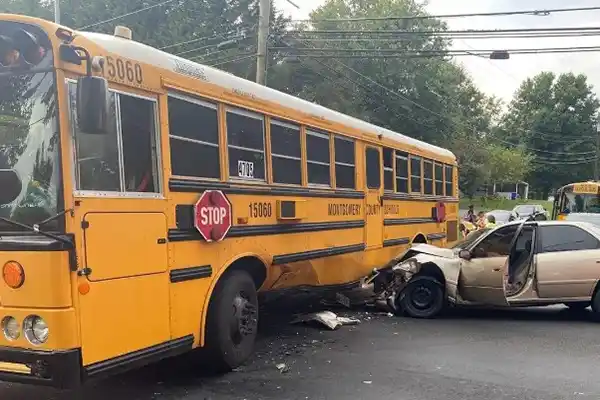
pixel 59 369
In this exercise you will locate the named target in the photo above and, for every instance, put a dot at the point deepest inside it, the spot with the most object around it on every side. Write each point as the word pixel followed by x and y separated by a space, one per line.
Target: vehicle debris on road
pixel 326 318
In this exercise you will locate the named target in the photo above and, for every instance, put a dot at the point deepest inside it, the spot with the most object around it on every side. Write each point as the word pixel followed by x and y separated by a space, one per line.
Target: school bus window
pixel 96 156
pixel 415 174
pixel 388 169
pixel 401 172
pixel 317 157
pixel 439 179
pixel 194 135
pixel 286 153
pixel 125 159
pixel 138 130
pixel 373 168
pixel 345 164
pixel 428 177
pixel 246 145
pixel 449 187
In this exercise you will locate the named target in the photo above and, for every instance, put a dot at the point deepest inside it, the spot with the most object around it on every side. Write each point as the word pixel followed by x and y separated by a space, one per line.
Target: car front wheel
pixel 423 297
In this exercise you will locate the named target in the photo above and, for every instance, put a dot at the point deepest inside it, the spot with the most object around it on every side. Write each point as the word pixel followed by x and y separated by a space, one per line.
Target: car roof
pixel 585 225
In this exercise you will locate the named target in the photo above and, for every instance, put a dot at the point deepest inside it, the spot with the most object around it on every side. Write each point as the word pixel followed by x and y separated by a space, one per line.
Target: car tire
pixel 230 336
pixel 423 297
pixel 577 306
pixel 596 304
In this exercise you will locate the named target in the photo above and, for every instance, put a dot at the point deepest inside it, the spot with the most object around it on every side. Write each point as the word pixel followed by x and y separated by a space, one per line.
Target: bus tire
pixel 423 297
pixel 232 321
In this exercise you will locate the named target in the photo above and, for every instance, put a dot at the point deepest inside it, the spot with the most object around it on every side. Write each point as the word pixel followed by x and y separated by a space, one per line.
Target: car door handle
pixel 497 269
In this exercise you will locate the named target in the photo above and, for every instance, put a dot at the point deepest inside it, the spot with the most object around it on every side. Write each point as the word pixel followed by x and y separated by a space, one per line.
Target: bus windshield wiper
pixel 36 228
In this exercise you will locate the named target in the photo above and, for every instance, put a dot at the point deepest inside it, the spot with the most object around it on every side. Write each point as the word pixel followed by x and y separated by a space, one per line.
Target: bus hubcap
pixel 244 321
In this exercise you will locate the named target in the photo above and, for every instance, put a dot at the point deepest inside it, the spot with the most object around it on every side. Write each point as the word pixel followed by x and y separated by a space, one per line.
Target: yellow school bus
pixel 146 199
pixel 577 198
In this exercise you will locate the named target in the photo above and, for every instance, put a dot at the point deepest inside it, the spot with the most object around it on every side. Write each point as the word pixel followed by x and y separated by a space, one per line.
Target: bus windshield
pixel 580 203
pixel 29 137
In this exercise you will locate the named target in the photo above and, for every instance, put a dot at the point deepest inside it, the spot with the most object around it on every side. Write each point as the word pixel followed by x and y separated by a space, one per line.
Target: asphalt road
pixel 543 354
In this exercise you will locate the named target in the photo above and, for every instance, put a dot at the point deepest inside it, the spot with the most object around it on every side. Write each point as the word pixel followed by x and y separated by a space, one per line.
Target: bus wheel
pixel 423 297
pixel 232 321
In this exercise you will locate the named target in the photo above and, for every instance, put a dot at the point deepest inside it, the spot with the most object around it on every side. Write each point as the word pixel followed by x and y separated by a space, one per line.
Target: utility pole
pixel 57 11
pixel 264 12
pixel 597 163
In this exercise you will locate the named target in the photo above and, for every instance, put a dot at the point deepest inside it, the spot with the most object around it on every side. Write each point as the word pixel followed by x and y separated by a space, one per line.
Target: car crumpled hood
pixel 433 250
pixel 448 262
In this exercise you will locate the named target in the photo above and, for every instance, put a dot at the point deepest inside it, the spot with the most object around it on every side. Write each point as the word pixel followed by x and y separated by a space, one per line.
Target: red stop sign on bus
pixel 212 215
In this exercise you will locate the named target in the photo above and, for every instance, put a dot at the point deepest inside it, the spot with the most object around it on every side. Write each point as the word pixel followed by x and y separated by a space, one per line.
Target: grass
pixel 488 204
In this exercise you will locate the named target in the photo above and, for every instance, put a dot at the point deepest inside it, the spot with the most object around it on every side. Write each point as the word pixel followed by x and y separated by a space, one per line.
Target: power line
pixel 515 31
pixel 393 38
pixel 535 12
pixel 224 36
pixel 388 90
pixel 247 56
pixel 226 59
pixel 539 50
pixel 234 38
pixel 445 117
pixel 372 54
pixel 369 89
pixel 127 14
pixel 559 162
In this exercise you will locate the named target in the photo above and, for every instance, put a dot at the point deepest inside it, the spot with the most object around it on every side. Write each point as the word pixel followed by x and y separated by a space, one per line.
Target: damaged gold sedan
pixel 525 263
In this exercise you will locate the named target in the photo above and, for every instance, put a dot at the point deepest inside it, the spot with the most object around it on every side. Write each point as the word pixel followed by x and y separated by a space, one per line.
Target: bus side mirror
pixel 11 186
pixel 92 104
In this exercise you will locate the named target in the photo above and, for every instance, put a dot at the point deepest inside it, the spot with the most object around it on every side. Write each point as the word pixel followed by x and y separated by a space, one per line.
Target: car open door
pixel 518 268
pixel 481 276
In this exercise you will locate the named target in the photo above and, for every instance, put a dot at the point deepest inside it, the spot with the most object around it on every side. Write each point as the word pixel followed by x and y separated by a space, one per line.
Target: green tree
pixel 554 118
pixel 507 165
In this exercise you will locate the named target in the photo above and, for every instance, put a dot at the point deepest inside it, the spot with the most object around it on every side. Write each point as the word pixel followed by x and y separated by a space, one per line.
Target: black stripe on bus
pixel 419 197
pixel 311 255
pixel 182 185
pixel 180 235
pixel 408 221
pixel 395 242
pixel 140 357
pixel 190 273
pixel 436 236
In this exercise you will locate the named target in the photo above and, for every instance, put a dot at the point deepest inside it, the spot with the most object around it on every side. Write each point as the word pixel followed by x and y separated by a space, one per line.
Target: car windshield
pixel 500 214
pixel 470 238
pixel 524 210
pixel 29 140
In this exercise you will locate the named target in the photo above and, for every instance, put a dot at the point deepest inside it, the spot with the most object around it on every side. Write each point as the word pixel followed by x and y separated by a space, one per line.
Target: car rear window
pixel 565 238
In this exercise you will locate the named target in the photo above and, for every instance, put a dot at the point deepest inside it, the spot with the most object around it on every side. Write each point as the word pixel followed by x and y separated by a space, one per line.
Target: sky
pixel 502 78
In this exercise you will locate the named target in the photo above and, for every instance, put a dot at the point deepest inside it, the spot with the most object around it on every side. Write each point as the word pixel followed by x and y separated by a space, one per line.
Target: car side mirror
pixel 465 254
pixel 92 104
pixel 478 252
pixel 11 185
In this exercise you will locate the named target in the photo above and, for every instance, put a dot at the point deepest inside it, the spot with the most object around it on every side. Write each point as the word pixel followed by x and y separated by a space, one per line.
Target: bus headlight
pixel 35 329
pixel 10 328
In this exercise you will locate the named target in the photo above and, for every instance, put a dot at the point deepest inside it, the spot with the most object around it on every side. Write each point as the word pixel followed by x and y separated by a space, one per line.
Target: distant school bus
pixel 147 199
pixel 577 198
